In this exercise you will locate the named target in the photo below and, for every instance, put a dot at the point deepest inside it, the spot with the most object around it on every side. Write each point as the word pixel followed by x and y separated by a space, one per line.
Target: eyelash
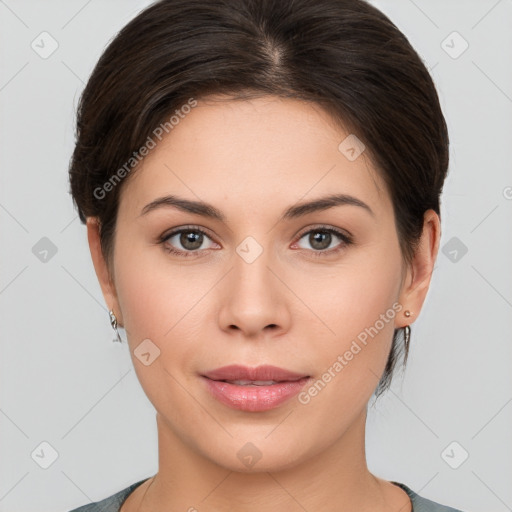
pixel 346 239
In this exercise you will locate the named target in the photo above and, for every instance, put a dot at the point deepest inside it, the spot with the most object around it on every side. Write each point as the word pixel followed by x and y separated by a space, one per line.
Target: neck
pixel 189 481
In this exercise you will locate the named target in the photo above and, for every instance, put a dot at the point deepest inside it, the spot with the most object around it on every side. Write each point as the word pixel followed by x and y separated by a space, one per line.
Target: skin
pixel 287 308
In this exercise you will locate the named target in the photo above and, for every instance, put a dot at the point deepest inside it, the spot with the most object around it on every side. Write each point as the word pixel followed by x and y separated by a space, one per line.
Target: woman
pixel 260 182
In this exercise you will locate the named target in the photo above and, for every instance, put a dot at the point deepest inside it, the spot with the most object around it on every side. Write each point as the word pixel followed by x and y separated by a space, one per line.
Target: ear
pixel 419 273
pixel 100 266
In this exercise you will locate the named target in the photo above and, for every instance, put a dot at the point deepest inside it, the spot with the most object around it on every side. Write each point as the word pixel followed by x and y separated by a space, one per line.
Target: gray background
pixel 65 383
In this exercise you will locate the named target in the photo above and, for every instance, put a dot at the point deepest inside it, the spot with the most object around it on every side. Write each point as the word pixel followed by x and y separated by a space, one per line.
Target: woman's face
pixel 260 287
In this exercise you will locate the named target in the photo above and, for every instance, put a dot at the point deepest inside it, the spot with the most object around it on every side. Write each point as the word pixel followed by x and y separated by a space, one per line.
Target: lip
pixel 254 398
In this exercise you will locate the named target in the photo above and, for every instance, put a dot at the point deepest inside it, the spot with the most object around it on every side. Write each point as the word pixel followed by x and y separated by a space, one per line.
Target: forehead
pixel 256 153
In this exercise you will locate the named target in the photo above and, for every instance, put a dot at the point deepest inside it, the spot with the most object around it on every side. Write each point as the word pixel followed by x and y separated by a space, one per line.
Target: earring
pixel 113 323
pixel 407 336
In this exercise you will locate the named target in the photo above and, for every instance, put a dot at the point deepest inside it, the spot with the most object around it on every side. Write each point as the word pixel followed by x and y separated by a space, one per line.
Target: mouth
pixel 254 389
pixel 253 382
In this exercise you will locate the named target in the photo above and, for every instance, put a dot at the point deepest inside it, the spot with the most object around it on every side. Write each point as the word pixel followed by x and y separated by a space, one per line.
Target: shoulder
pixel 112 503
pixel 420 504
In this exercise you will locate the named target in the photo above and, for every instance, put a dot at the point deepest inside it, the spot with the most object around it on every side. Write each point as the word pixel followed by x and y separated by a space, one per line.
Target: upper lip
pixel 259 373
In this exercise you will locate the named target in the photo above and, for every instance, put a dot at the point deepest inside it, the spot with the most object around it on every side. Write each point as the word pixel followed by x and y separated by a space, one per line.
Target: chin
pixel 255 454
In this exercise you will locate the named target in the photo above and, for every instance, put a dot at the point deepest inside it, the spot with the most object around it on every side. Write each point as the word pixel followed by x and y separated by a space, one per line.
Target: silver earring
pixel 113 323
pixel 407 339
pixel 407 335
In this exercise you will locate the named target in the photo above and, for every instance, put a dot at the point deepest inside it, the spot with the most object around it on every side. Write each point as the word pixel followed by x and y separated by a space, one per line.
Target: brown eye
pixel 322 240
pixel 186 241
pixel 191 240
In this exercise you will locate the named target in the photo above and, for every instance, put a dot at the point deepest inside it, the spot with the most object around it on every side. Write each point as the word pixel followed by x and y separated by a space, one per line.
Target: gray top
pixel 113 503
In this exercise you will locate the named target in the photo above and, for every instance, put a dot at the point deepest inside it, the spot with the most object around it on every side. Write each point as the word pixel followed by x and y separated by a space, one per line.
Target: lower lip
pixel 254 398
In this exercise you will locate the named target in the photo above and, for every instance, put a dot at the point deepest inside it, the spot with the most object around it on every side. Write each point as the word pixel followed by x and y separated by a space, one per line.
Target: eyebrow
pixel 293 212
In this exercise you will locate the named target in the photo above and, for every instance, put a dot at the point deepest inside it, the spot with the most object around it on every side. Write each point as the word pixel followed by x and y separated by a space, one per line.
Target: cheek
pixel 358 306
pixel 166 304
pixel 157 305
pixel 353 298
pixel 153 295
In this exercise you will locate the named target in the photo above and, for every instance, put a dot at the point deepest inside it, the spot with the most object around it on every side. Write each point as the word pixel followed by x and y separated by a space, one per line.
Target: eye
pixel 189 240
pixel 321 239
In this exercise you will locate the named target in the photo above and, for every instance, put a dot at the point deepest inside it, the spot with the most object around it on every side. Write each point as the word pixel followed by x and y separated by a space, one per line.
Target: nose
pixel 253 298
